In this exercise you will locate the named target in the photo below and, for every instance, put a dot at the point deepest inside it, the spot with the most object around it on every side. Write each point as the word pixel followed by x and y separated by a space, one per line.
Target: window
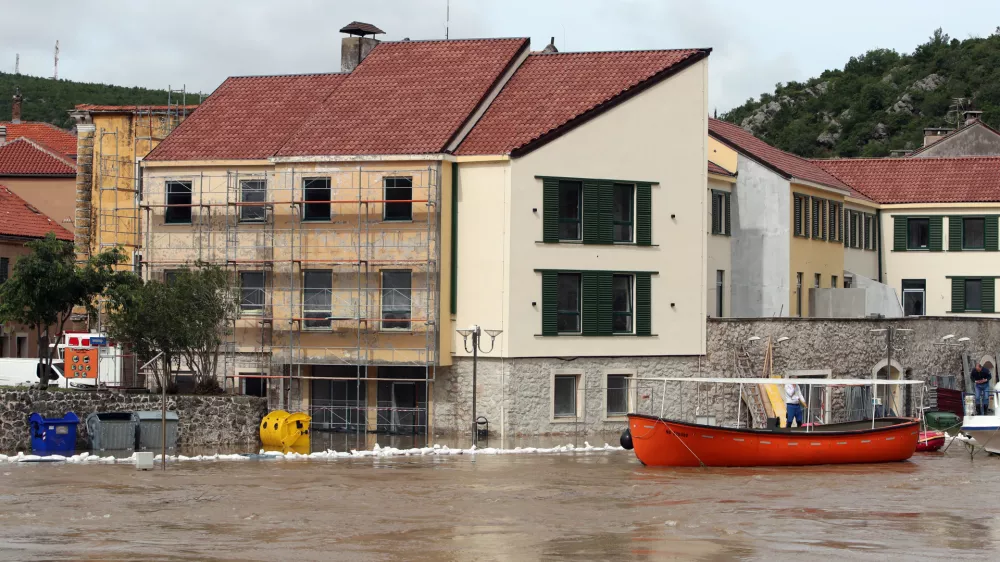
pixel 317 298
pixel 396 300
pixel 798 294
pixel 834 232
pixel 720 279
pixel 318 190
pixel 564 396
pixel 622 216
pixel 833 281
pixel 252 291
pixel 255 386
pixel 914 296
pixel 720 212
pixel 973 295
pixel 816 280
pixel 178 202
pixel 252 191
pixel 800 209
pixel 848 281
pixel 4 270
pixel 570 202
pixel 399 190
pixel 568 321
pixel 621 299
pixel 973 233
pixel 818 213
pixel 618 396
pixel 918 234
pixel 21 346
pixel 170 276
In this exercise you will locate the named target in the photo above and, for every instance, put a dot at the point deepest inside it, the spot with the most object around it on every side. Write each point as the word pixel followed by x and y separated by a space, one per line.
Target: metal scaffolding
pixel 337 270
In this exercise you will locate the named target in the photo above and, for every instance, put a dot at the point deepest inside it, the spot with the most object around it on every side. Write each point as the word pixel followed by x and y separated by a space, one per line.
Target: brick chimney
pixel 355 48
pixel 970 117
pixel 15 108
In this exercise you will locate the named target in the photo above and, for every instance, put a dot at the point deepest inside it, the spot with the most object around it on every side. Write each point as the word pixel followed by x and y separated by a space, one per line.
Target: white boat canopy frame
pixel 809 381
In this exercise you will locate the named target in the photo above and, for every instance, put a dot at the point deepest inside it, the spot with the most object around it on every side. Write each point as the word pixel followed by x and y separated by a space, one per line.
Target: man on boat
pixel 981 376
pixel 794 404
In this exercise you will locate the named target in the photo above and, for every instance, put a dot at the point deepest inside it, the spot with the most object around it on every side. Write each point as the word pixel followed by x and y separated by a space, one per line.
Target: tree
pixel 47 284
pixel 184 320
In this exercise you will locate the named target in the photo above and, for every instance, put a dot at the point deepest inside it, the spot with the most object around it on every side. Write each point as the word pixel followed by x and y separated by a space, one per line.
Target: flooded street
pixel 574 506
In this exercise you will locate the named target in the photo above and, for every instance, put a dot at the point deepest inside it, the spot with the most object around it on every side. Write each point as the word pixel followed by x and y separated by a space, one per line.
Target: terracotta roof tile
pixel 550 90
pixel 714 168
pixel 44 134
pixel 23 157
pixel 407 97
pixel 247 118
pixel 784 163
pixel 920 180
pixel 951 135
pixel 18 218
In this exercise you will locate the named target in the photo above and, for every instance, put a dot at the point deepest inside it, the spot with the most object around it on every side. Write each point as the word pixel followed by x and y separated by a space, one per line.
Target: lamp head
pixel 753 339
pixel 963 340
pixel 493 333
pixel 948 337
pixel 464 333
pixel 782 338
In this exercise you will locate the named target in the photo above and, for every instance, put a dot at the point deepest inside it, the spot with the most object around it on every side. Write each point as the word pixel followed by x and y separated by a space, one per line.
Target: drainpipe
pixel 878 248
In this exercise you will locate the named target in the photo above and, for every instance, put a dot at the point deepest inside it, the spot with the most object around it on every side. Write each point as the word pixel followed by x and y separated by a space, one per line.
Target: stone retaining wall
pixel 205 421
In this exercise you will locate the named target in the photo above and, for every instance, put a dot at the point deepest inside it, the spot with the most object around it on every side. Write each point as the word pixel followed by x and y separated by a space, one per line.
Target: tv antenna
pixel 55 66
pixel 447 18
pixel 17 63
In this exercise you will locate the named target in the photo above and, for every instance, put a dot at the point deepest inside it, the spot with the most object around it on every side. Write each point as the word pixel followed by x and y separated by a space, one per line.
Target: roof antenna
pixel 55 69
pixel 447 18
pixel 17 63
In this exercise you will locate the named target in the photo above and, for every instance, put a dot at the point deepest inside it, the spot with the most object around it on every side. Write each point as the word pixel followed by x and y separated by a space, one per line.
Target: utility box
pixel 151 430
pixel 112 431
pixel 53 436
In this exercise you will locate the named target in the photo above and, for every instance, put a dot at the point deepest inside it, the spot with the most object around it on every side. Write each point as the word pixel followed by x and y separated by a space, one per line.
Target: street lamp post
pixel 476 333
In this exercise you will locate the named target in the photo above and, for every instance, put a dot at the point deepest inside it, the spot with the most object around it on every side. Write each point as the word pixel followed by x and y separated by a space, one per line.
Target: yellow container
pixel 280 429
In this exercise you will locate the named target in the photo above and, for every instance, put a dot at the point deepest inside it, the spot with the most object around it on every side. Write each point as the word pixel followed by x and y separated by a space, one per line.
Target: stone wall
pixel 205 421
pixel 519 391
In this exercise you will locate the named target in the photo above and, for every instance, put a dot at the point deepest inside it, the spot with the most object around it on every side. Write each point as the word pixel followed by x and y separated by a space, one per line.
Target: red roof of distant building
pixel 407 97
pixel 44 134
pixel 18 218
pixel 247 118
pixel 551 92
pixel 784 163
pixel 23 157
pixel 134 108
pixel 920 180
pixel 714 168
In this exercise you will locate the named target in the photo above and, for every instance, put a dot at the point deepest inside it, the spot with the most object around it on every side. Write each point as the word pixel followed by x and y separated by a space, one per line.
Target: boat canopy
pixel 802 380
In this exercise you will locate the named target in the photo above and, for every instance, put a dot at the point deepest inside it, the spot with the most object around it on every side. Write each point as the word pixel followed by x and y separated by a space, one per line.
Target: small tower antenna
pixel 17 63
pixel 55 67
pixel 447 18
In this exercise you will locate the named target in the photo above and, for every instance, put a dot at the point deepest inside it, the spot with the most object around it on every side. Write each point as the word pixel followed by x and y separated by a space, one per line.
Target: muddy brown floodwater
pixel 597 506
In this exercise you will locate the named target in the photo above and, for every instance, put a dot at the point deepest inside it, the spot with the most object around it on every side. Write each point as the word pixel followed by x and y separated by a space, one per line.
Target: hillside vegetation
pixel 881 100
pixel 49 100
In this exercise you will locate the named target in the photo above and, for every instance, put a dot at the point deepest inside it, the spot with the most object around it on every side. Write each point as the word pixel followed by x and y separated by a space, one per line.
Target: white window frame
pixel 580 405
pixel 385 197
pixel 241 182
pixel 827 391
pixel 263 288
pixel 632 396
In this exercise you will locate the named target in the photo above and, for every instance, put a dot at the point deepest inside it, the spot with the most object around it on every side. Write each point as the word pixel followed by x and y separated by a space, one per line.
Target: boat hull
pixel 930 441
pixel 662 442
pixel 984 431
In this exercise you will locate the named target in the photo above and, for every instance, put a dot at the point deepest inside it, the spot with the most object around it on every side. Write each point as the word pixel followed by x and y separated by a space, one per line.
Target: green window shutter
pixel 989 290
pixel 826 223
pixel 605 304
pixel 716 213
pixel 936 237
pixel 550 210
pixel 550 303
pixel 868 231
pixel 643 214
pixel 591 212
pixel 729 230
pixel 607 226
pixel 991 233
pixel 797 204
pixel 899 233
pixel 643 308
pixel 958 294
pixel 454 237
pixel 954 234
pixel 589 298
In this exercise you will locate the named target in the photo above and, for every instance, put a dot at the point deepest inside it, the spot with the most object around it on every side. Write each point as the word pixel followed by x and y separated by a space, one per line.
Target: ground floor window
pixel 914 297
pixel 255 386
pixel 564 396
pixel 618 395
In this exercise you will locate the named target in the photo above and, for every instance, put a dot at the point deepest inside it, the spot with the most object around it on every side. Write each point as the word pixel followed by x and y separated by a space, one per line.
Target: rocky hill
pixel 881 100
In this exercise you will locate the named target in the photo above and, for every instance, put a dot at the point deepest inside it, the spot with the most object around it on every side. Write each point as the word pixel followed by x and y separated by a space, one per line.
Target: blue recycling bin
pixel 53 436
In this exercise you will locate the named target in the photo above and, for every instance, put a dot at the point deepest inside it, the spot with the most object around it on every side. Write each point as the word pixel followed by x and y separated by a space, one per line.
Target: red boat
pixel 663 442
pixel 930 441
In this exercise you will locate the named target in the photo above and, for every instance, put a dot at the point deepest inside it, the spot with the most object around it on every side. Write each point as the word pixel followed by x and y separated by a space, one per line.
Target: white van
pixel 23 373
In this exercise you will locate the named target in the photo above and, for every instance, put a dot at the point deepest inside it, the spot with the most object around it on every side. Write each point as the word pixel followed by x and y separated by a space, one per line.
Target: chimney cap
pixel 361 28
pixel 551 47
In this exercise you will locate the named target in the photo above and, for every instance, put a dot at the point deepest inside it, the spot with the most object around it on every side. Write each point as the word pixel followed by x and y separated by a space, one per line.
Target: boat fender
pixel 626 440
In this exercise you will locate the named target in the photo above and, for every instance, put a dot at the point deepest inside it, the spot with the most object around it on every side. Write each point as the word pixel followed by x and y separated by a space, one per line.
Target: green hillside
pixel 49 100
pixel 881 100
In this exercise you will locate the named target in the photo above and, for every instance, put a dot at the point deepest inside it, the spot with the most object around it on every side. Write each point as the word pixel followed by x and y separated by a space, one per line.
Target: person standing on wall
pixel 794 405
pixel 981 377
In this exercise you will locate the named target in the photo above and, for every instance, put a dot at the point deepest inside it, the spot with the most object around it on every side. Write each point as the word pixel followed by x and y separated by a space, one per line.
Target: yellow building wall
pixel 54 197
pixel 809 256
pixel 722 154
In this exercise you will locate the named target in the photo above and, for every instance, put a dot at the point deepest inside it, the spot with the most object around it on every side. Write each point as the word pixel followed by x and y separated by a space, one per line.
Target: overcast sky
pixel 201 42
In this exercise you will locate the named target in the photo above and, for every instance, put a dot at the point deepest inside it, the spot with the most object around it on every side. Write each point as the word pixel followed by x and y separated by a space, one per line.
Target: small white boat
pixel 984 431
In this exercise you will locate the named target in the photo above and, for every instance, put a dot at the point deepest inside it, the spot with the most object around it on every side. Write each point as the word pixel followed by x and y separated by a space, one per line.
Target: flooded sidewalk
pixel 579 506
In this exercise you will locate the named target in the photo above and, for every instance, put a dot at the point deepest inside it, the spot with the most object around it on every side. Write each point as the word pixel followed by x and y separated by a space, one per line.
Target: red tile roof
pixel 952 134
pixel 133 108
pixel 714 168
pixel 920 180
pixel 784 163
pixel 551 92
pixel 18 218
pixel 408 97
pixel 44 134
pixel 247 118
pixel 23 157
